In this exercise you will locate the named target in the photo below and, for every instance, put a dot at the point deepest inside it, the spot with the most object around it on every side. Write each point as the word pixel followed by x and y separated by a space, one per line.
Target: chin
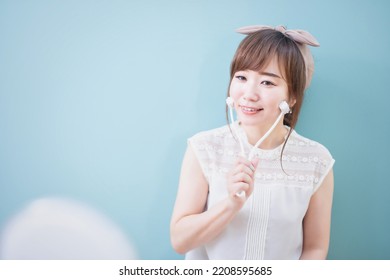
pixel 247 122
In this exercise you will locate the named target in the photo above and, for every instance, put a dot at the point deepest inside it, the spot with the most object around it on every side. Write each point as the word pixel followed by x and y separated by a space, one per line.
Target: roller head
pixel 230 102
pixel 283 106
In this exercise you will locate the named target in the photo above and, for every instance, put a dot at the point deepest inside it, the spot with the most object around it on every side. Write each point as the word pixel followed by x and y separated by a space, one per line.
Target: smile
pixel 249 110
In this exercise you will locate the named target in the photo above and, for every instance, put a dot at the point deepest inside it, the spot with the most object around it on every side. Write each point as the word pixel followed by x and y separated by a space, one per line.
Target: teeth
pixel 249 109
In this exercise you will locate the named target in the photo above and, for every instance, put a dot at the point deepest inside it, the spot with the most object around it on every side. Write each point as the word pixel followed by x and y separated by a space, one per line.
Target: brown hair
pixel 255 52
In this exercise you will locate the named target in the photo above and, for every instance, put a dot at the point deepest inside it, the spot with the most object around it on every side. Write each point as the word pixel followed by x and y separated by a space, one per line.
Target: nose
pixel 251 92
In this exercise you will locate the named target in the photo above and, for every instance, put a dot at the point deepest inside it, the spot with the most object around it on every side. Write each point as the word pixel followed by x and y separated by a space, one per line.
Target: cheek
pixel 270 98
pixel 285 94
pixel 279 96
pixel 235 91
pixel 273 100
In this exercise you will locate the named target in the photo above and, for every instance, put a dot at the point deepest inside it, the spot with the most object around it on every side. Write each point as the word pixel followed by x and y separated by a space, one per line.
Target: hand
pixel 241 180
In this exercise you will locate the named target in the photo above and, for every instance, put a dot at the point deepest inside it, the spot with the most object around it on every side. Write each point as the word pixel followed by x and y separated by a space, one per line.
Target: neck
pixel 275 139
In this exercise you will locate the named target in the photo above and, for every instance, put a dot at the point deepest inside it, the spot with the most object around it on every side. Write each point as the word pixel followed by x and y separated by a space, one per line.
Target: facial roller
pixel 284 108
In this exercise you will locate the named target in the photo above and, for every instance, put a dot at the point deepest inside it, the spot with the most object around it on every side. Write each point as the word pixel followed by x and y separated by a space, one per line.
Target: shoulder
pixel 308 154
pixel 215 144
pixel 210 146
pixel 308 146
pixel 215 135
pixel 310 157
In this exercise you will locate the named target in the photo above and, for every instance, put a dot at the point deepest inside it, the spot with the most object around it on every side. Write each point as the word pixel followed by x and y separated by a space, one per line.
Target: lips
pixel 250 110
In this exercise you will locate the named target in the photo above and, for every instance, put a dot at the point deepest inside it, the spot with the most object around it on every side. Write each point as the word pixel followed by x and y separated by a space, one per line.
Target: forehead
pixel 273 67
pixel 256 55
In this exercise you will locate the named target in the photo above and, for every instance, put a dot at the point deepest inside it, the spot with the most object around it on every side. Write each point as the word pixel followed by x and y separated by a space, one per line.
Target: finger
pixel 249 164
pixel 244 190
pixel 244 161
pixel 242 177
pixel 242 169
pixel 255 162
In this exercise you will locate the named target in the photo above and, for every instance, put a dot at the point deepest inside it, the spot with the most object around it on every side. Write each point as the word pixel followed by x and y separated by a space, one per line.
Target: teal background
pixel 97 99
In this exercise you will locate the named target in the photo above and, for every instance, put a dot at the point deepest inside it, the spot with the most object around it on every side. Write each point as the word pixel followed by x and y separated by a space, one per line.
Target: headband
pixel 301 37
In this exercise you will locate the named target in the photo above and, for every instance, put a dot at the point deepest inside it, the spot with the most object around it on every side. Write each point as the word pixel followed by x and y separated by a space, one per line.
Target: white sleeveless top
pixel 269 226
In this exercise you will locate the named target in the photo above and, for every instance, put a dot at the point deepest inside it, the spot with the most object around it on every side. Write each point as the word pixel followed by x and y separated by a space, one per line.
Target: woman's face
pixel 257 95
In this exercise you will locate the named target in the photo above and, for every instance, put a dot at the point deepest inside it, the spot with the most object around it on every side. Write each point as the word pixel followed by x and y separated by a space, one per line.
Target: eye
pixel 240 77
pixel 267 83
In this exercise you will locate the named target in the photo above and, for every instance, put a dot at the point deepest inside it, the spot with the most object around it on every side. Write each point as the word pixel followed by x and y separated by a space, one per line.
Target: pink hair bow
pixel 299 36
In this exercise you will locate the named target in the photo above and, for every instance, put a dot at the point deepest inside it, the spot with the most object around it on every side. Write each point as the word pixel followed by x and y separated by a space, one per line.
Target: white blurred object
pixel 63 229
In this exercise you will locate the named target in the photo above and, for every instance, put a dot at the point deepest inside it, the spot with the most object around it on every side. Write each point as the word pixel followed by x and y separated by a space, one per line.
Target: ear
pixel 292 102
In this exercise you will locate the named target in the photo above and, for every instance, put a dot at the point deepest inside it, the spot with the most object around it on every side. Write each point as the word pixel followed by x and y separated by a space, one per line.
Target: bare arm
pixel 191 226
pixel 316 224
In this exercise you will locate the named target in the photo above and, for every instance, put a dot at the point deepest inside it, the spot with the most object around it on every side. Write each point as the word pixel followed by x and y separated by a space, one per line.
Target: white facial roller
pixel 230 103
pixel 284 108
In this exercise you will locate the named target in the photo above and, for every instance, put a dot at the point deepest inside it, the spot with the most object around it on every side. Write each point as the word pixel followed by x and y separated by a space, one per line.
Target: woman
pixel 285 211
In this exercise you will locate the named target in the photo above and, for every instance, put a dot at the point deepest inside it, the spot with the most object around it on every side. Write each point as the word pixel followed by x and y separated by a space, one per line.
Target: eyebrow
pixel 270 74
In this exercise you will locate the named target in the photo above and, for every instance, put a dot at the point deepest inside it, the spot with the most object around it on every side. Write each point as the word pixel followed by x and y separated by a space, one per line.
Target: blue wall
pixel 97 99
